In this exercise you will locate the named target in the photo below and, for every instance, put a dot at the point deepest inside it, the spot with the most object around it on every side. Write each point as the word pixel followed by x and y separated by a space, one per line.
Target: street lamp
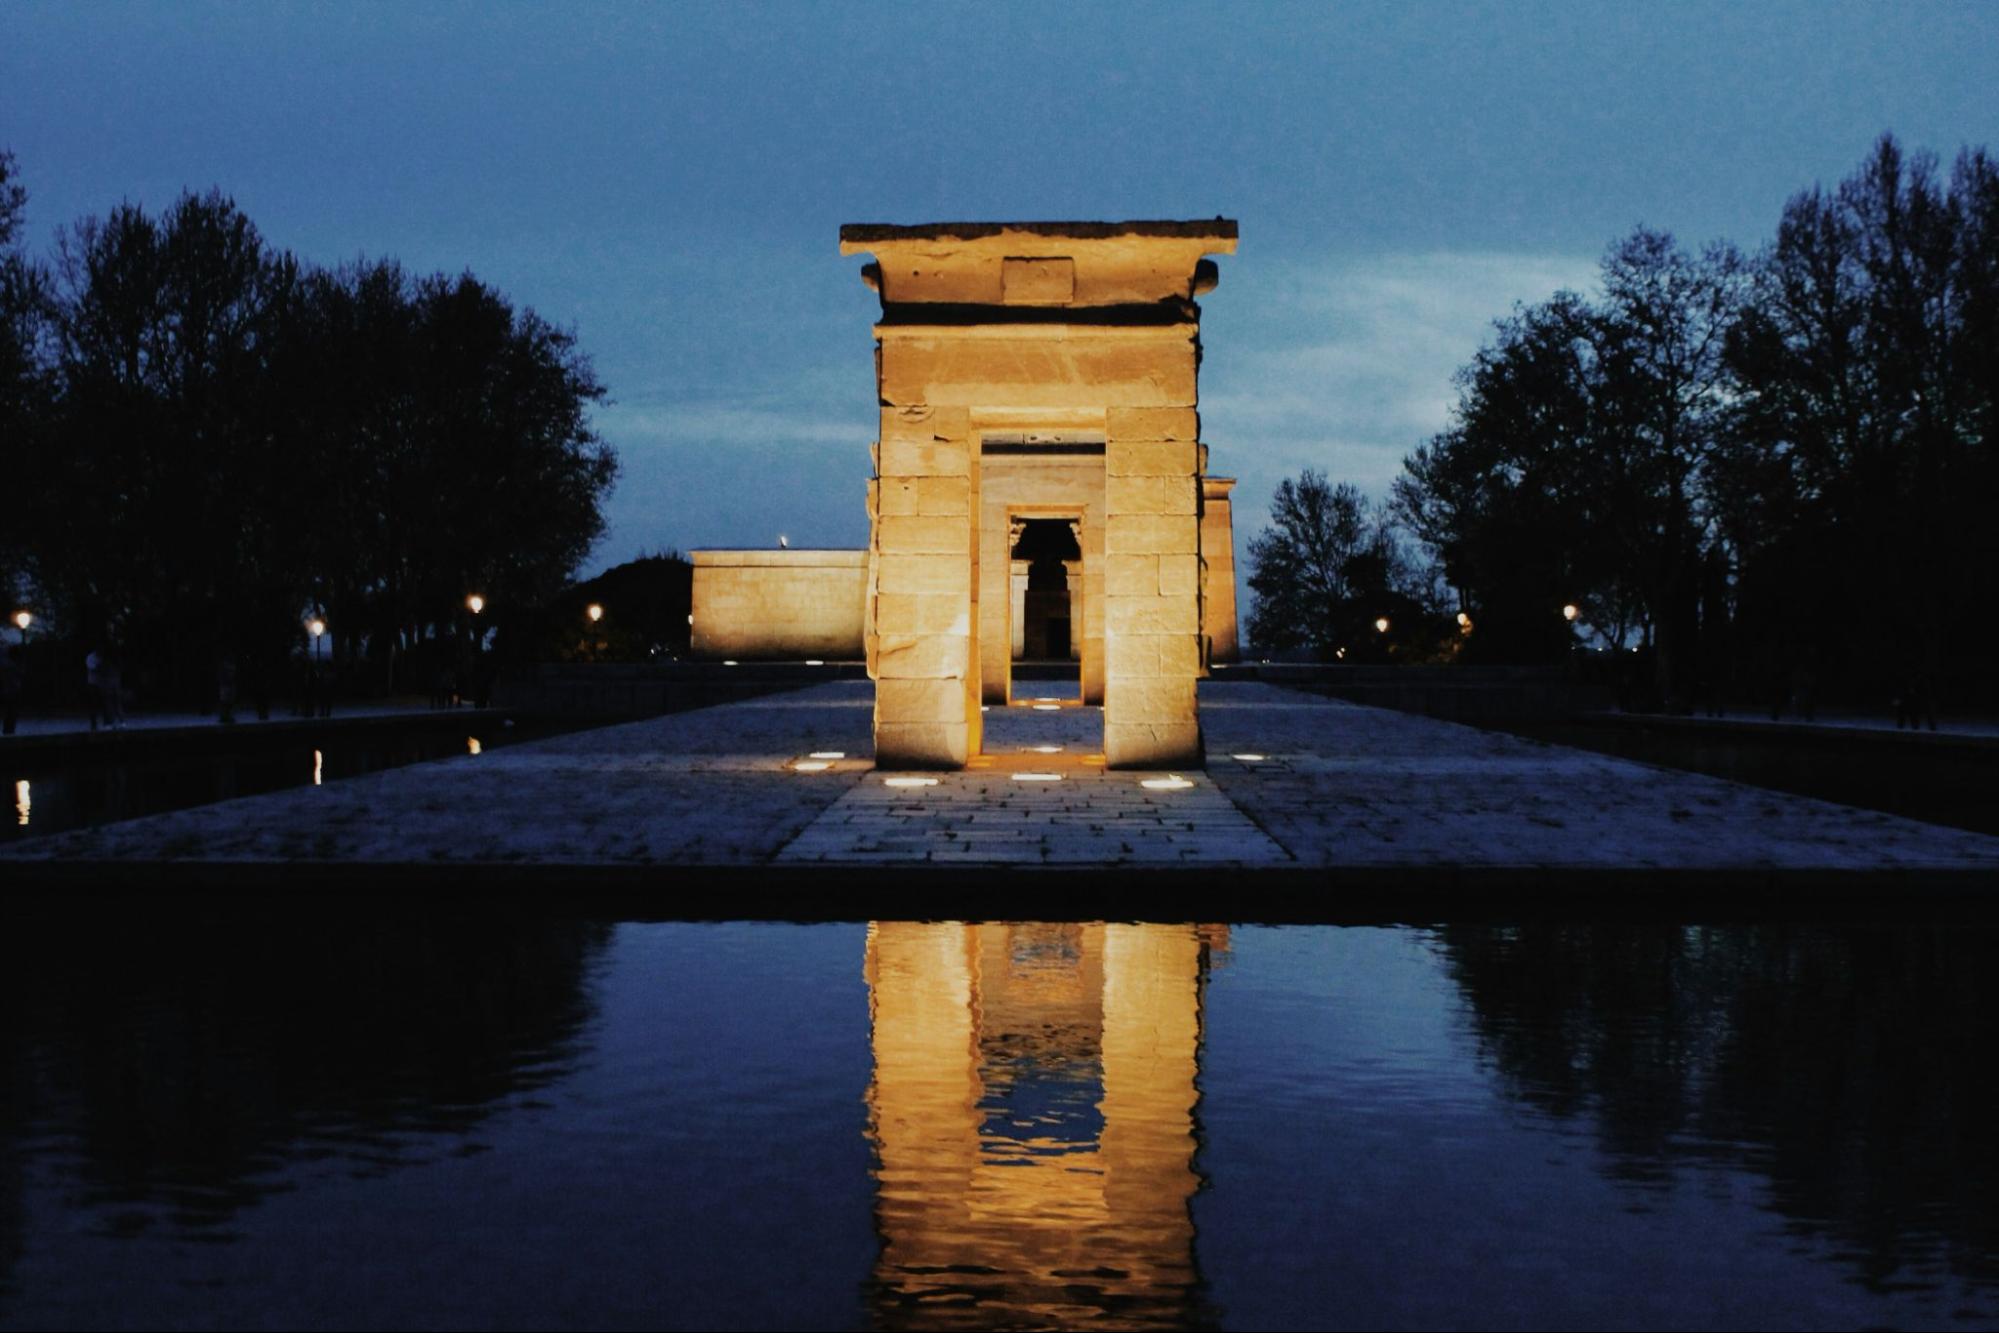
pixel 1570 611
pixel 1381 625
pixel 594 611
pixel 475 603
pixel 23 619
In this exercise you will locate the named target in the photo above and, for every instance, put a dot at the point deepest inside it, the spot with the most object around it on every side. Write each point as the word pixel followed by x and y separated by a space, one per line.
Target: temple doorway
pixel 1047 588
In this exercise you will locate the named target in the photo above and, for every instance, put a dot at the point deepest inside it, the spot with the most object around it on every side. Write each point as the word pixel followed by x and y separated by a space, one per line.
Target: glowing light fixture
pixel 595 611
pixel 1381 624
pixel 1249 758
pixel 315 627
pixel 1171 782
pixel 728 661
pixel 815 661
pixel 475 604
pixel 1048 708
pixel 829 754
pixel 1046 749
pixel 1037 777
pixel 318 767
pixel 1464 620
pixel 23 804
pixel 909 782
pixel 22 620
pixel 1570 611
pixel 812 765
pixel 472 745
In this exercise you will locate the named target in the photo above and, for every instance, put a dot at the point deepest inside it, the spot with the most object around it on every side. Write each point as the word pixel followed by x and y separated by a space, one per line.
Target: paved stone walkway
pixel 1037 796
pixel 1293 780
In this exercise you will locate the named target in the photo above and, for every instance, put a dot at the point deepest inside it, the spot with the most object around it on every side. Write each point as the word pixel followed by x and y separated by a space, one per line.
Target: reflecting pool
pixel 227 1115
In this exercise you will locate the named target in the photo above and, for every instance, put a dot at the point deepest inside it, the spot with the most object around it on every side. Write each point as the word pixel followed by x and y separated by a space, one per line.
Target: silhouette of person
pixel 93 684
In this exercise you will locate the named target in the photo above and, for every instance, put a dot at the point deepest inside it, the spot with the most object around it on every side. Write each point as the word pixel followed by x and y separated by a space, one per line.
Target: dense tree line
pixel 1333 577
pixel 1773 474
pixel 208 441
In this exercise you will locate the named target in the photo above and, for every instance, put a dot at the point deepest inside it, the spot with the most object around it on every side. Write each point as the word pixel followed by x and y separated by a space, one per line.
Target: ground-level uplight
pixel 728 661
pixel 1171 782
pixel 829 754
pixel 1037 777
pixel 815 661
pixel 1248 758
pixel 812 765
pixel 1046 749
pixel 909 782
pixel 1048 708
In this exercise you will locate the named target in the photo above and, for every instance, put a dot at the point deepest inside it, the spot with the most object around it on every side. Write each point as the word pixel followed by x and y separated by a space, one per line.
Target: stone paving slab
pixel 1347 785
pixel 1340 790
pixel 707 786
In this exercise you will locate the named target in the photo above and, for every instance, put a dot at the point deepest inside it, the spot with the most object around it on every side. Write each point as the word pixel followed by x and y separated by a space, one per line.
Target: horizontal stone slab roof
pixel 864 233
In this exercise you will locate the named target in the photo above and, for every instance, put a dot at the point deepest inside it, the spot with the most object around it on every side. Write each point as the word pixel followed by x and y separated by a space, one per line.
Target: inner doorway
pixel 1046 602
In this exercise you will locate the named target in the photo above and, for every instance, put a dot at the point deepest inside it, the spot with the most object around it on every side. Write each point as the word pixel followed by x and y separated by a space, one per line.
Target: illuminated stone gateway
pixel 1037 372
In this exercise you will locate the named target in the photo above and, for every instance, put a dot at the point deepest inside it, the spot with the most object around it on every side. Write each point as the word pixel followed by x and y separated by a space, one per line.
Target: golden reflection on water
pixel 1032 1115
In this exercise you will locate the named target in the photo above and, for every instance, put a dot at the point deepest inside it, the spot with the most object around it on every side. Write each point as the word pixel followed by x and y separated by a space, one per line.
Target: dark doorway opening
pixel 1045 607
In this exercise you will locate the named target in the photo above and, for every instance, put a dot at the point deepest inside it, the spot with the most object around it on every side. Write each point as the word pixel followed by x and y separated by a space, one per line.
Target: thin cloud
pixel 1348 365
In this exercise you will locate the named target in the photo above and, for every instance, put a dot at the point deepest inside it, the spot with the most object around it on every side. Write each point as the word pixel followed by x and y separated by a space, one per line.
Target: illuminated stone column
pixel 1019 570
pixel 1072 573
pixel 1218 618
pixel 1152 589
pixel 926 605
pixel 1090 539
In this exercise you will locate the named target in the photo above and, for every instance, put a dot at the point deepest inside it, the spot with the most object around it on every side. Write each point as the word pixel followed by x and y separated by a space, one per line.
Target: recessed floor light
pixel 812 765
pixel 1249 758
pixel 814 661
pixel 1037 777
pixel 909 782
pixel 1046 749
pixel 1171 782
pixel 829 754
pixel 1048 708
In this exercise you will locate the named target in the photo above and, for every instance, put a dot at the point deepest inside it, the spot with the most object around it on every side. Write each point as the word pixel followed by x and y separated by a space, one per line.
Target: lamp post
pixel 23 619
pixel 317 703
pixel 1570 611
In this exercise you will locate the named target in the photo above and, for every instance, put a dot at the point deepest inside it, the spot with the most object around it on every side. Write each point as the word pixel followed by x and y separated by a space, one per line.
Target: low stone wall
pixel 778 605
pixel 1454 693
pixel 630 689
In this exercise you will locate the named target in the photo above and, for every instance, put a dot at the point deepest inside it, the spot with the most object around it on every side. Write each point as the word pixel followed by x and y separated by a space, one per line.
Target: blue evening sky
pixel 669 181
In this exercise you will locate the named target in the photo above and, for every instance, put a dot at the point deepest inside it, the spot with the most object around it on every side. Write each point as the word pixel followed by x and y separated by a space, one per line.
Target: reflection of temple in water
pixel 1032 1112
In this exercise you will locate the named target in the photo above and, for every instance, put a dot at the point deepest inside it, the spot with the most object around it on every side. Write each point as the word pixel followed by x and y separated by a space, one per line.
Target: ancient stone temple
pixel 1040 481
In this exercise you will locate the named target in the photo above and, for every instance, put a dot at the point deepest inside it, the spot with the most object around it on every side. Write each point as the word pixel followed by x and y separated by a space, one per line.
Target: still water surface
pixel 379 1119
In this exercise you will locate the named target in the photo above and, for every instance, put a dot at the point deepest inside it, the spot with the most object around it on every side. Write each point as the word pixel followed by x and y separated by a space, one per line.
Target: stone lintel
pixel 1009 269
pixel 857 237
pixel 1062 329
pixel 792 557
